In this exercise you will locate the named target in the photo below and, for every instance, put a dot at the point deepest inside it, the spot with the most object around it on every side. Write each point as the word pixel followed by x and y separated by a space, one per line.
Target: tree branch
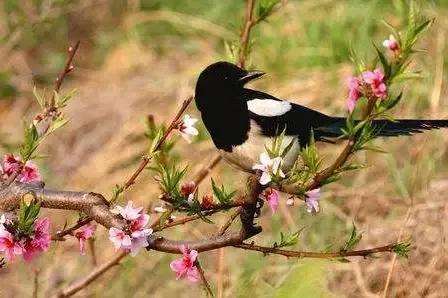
pixel 318 255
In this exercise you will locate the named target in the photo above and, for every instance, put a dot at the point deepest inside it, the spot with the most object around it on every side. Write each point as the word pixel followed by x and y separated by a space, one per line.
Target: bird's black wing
pixel 273 115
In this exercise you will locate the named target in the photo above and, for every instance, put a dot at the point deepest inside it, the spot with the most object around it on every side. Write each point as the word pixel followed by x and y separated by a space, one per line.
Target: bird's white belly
pixel 246 155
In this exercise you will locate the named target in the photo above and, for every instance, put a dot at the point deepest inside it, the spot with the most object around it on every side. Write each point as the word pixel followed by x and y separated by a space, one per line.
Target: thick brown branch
pixel 92 204
pixel 319 255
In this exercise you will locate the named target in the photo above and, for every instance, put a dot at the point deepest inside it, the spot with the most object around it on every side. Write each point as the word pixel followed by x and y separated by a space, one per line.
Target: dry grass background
pixel 401 194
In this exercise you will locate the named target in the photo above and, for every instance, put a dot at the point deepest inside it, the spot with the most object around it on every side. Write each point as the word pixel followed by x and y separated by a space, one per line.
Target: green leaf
pixel 402 249
pixel 223 196
pixel 265 8
pixel 289 239
pixel 39 98
pixel 353 240
pixel 384 62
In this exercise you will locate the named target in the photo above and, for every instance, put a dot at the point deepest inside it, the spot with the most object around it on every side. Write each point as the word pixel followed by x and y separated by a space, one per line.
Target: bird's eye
pixel 226 77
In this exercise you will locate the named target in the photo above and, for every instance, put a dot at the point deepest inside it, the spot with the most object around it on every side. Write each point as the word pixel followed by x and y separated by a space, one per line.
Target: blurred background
pixel 140 58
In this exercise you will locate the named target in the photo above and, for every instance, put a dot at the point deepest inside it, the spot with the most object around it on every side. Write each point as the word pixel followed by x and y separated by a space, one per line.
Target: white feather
pixel 268 107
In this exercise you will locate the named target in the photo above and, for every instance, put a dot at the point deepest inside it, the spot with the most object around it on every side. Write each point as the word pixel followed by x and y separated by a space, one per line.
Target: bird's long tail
pixel 386 128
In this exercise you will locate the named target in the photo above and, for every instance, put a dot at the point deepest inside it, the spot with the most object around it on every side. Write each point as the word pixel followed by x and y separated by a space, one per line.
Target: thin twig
pixel 318 255
pixel 67 69
pixel 204 279
pixel 59 235
pixel 161 141
pixel 60 79
pixel 203 172
pixel 36 283
pixel 229 222
pixel 394 258
pixel 92 276
pixel 249 22
pixel 220 282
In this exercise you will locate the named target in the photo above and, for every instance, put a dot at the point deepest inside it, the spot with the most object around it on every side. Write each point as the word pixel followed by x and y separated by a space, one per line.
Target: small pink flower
pixel 187 129
pixel 290 202
pixel 11 164
pixel 83 234
pixel 376 81
pixel 312 200
pixel 128 212
pixel 391 44
pixel 272 197
pixel 119 238
pixel 139 223
pixel 8 245
pixel 39 241
pixel 354 93
pixel 30 173
pixel 185 267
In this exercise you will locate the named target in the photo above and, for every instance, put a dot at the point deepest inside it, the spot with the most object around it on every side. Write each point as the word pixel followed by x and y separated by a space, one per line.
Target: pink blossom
pixel 39 241
pixel 11 164
pixel 312 200
pixel 83 234
pixel 139 240
pixel 139 223
pixel 376 81
pixel 354 93
pixel 290 202
pixel 128 212
pixel 391 44
pixel 136 237
pixel 272 197
pixel 8 245
pixel 185 267
pixel 30 173
pixel 119 238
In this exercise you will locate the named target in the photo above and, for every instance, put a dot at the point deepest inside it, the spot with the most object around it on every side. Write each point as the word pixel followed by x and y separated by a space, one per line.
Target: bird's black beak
pixel 251 75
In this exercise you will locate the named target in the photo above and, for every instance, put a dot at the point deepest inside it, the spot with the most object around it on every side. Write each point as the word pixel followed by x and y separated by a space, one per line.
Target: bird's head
pixel 222 81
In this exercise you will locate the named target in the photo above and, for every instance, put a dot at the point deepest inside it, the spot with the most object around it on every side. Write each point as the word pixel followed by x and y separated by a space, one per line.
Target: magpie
pixel 242 121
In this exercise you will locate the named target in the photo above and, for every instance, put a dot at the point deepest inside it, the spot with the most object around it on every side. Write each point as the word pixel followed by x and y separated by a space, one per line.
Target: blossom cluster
pixel 14 243
pixel 135 237
pixel 370 84
pixel 28 172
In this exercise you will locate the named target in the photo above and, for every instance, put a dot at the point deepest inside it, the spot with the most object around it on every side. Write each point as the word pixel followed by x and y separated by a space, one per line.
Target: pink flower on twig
pixel 354 93
pixel 376 81
pixel 39 241
pixel 312 200
pixel 186 267
pixel 29 172
pixel 128 212
pixel 83 234
pixel 272 198
pixel 136 237
pixel 8 245
pixel 391 44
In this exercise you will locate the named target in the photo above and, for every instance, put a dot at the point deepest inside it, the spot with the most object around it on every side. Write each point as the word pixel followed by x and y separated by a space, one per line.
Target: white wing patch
pixel 268 107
